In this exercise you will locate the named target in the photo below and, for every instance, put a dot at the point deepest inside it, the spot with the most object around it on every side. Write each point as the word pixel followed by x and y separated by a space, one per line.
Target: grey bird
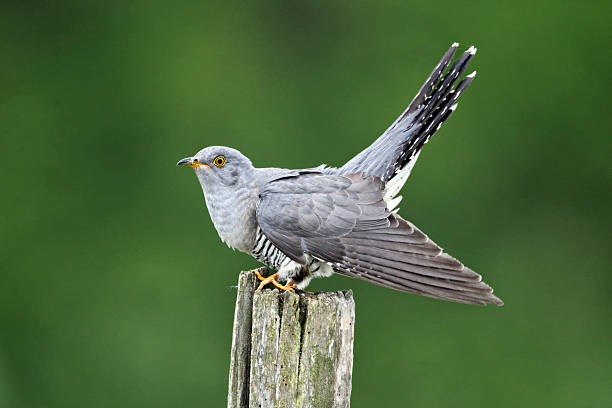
pixel 315 222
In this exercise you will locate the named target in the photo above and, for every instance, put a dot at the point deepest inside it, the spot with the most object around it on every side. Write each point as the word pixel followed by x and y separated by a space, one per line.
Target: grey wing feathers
pixel 398 147
pixel 343 220
pixel 317 206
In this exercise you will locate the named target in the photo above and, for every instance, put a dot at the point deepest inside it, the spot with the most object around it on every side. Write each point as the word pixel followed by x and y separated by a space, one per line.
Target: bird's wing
pixel 343 220
pixel 394 153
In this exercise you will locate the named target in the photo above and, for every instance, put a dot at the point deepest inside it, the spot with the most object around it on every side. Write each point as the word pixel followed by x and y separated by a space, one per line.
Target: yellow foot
pixel 272 279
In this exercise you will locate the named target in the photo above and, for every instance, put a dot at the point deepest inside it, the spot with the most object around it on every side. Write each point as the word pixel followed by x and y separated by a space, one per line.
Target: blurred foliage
pixel 115 289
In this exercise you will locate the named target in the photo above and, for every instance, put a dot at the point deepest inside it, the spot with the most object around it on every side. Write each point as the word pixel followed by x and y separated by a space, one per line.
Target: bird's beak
pixel 190 161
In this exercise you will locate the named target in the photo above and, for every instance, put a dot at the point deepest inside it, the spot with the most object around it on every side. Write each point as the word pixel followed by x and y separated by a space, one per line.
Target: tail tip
pixel 455 45
pixel 472 75
pixel 472 50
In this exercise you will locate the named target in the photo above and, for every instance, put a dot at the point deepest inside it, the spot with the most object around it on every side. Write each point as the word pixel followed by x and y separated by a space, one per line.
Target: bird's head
pixel 218 165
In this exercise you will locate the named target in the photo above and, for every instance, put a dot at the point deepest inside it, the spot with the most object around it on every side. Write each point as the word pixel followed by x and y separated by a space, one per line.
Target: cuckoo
pixel 315 222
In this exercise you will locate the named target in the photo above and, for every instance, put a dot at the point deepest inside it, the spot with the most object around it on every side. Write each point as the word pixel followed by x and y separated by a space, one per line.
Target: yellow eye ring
pixel 219 161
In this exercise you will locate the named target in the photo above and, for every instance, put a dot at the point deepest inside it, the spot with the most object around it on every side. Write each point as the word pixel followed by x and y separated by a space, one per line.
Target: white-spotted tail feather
pixel 393 155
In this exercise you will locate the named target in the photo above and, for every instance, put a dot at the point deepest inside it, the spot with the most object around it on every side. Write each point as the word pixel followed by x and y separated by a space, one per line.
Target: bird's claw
pixel 272 279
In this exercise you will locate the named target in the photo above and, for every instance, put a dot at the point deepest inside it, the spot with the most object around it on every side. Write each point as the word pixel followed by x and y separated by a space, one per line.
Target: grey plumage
pixel 313 222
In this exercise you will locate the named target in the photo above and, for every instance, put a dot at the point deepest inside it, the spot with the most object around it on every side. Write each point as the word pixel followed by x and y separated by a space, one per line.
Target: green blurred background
pixel 115 290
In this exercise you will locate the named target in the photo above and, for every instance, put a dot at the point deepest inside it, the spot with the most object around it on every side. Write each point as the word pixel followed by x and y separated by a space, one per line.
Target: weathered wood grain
pixel 240 361
pixel 290 350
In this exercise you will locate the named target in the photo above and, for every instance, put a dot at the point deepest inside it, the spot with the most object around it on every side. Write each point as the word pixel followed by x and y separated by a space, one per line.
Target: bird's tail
pixel 393 154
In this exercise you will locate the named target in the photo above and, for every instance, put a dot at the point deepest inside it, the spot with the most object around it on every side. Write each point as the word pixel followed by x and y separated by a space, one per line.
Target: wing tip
pixel 496 301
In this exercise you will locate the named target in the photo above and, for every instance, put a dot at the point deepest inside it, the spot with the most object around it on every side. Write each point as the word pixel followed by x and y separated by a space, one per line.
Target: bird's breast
pixel 233 214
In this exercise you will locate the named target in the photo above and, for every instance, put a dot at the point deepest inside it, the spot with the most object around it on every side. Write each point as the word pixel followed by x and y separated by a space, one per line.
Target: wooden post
pixel 289 350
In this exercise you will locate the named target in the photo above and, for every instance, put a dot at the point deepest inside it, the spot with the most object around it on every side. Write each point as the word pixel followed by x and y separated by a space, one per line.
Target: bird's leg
pixel 264 281
pixel 272 279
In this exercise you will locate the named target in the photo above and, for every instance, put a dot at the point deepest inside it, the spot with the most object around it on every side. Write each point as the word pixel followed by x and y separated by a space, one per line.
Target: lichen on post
pixel 291 350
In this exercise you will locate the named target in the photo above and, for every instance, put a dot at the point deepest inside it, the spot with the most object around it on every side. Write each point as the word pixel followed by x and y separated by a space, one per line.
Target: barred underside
pixel 265 252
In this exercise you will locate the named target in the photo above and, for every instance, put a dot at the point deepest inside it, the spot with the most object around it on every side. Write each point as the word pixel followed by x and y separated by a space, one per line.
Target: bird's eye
pixel 219 161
